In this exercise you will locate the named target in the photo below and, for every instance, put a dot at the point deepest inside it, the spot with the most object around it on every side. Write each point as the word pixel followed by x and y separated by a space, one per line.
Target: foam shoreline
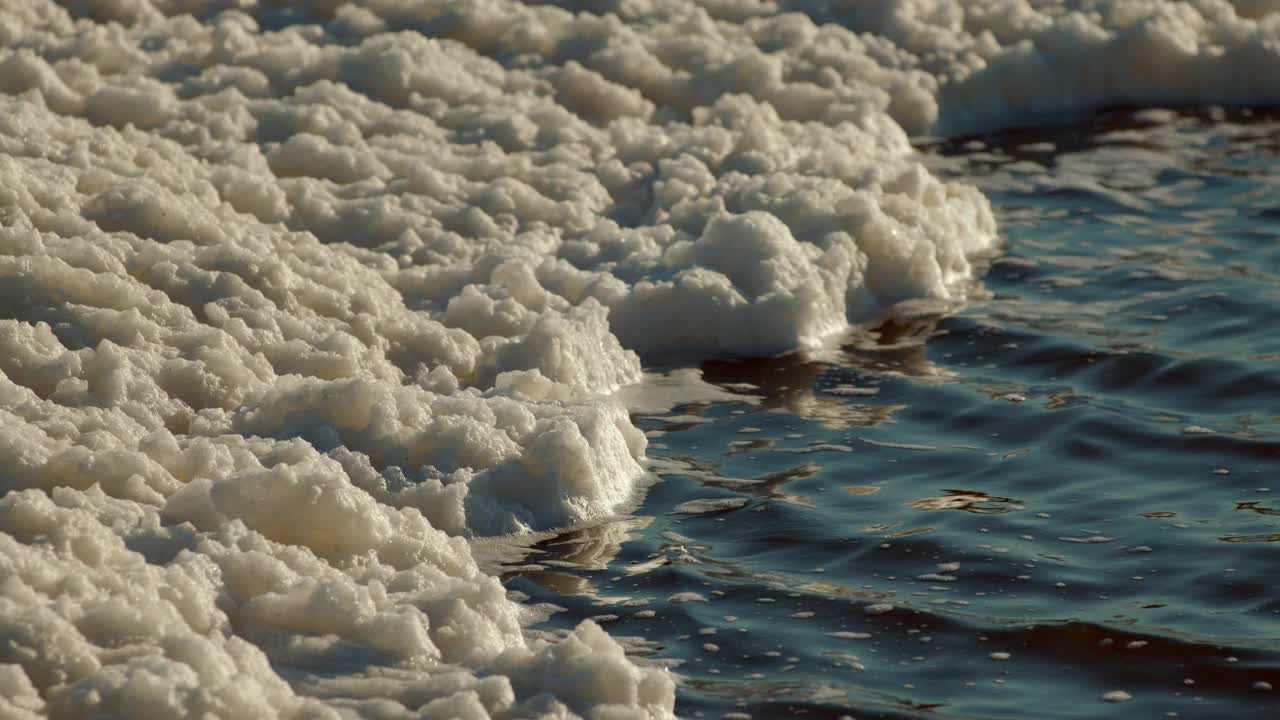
pixel 296 300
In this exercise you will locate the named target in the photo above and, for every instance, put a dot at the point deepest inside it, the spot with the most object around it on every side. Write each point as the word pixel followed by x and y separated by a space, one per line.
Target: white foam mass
pixel 997 63
pixel 296 298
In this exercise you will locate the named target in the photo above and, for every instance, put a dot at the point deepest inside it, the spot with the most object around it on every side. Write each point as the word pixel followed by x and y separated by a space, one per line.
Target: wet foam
pixel 293 303
pixel 991 64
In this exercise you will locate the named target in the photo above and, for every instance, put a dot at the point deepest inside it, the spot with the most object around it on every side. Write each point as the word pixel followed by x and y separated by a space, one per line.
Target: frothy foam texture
pixel 988 64
pixel 295 298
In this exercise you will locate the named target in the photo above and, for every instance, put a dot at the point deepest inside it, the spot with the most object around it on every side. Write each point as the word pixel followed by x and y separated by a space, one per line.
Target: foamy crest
pixel 998 63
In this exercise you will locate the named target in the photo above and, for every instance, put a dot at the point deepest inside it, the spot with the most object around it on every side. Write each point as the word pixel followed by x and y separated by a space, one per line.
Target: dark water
pixel 1066 489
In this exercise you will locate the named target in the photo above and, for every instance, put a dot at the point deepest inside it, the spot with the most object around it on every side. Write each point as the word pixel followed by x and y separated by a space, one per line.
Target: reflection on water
pixel 968 501
pixel 1104 422
pixel 591 547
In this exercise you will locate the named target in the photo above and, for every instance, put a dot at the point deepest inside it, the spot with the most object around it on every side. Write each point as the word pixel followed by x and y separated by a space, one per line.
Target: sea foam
pixel 298 298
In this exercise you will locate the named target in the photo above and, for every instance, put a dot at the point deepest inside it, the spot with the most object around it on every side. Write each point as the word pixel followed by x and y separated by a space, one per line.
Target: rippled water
pixel 1067 490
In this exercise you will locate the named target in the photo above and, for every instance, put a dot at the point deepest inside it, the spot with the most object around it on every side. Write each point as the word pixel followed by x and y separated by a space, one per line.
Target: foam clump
pixel 1001 63
pixel 293 305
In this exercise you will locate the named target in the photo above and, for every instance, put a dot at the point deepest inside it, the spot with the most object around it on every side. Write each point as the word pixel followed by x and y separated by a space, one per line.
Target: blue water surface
pixel 1061 501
